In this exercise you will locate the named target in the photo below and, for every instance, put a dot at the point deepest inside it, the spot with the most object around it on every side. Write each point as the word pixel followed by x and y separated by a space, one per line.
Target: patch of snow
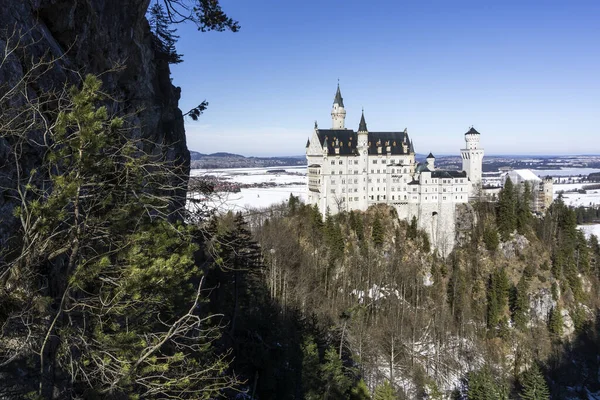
pixel 589 230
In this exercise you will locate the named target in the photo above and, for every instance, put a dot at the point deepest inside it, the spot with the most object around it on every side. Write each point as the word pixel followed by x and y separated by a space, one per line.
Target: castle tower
pixel 362 147
pixel 430 161
pixel 472 158
pixel 338 113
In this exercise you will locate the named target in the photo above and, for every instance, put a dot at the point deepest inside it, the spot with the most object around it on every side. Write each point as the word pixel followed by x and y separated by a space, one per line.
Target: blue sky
pixel 526 74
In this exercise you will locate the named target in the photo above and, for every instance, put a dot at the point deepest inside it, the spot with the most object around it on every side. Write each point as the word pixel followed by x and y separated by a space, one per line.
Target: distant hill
pixel 230 160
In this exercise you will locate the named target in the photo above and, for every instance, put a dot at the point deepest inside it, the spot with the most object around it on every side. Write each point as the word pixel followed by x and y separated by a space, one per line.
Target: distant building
pixel 542 189
pixel 350 170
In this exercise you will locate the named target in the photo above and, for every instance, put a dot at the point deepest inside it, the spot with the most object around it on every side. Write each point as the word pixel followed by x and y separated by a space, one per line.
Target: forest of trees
pixel 112 289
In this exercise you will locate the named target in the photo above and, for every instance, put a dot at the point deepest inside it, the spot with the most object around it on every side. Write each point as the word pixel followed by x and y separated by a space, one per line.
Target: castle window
pixel 333 181
pixel 333 191
pixel 372 171
pixel 355 162
pixel 392 197
pixel 425 197
pixel 371 197
pixel 332 162
pixel 378 171
pixel 343 190
pixel 343 181
pixel 355 190
pixel 341 162
pixel 356 199
pixel 378 180
pixel 340 172
pixel 374 161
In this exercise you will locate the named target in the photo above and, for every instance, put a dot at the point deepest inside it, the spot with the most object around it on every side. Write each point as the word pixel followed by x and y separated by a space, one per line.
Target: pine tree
pixel 164 36
pixel 384 391
pixel 490 238
pixel 335 382
pixel 311 378
pixel 360 391
pixel 412 231
pixel 523 212
pixel 121 290
pixel 555 322
pixel 483 385
pixel 534 385
pixel 521 305
pixel 377 234
pixel 506 214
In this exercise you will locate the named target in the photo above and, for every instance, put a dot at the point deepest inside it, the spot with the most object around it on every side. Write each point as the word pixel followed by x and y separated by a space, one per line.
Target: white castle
pixel 350 170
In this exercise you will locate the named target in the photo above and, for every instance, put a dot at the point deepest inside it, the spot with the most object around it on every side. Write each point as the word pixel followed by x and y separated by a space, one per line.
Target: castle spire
pixel 338 113
pixel 339 100
pixel 362 127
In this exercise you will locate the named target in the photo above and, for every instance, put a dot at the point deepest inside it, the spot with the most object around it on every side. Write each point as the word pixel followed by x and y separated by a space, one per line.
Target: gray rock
pixel 89 37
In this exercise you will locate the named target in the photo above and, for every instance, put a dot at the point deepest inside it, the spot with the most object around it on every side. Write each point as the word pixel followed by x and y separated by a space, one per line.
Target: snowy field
pixel 292 181
pixel 592 197
pixel 564 171
pixel 256 175
pixel 589 230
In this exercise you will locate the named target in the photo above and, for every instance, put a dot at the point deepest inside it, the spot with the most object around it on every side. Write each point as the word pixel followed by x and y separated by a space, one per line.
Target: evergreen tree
pixel 425 244
pixel 384 391
pixel 311 378
pixel 490 238
pixel 483 385
pixel 360 391
pixel 521 305
pixel 164 36
pixel 506 214
pixel 377 234
pixel 555 322
pixel 534 385
pixel 335 383
pixel 523 212
pixel 121 293
pixel 412 231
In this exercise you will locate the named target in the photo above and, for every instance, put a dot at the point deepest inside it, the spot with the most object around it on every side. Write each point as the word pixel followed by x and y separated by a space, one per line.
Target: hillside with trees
pixel 114 288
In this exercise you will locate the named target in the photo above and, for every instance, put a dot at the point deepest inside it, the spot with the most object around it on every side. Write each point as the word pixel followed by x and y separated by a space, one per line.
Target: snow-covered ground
pixel 589 230
pixel 256 175
pixel 592 197
pixel 293 181
pixel 564 171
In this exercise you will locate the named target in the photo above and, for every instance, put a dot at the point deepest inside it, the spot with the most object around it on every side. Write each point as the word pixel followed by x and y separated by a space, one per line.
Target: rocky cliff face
pixel 92 36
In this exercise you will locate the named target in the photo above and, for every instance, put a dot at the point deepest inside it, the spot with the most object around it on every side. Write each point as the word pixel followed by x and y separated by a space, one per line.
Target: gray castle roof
pixel 472 131
pixel 448 174
pixel 430 156
pixel 346 141
pixel 338 97
pixel 362 126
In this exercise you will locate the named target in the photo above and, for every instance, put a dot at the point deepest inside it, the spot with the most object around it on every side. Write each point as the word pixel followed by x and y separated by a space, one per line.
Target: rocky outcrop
pixel 94 36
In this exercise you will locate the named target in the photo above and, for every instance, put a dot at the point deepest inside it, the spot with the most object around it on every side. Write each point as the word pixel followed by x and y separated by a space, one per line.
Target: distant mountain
pixel 223 154
pixel 230 160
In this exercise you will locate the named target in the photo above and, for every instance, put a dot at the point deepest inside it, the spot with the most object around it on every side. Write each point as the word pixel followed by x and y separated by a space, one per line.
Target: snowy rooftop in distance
pixel 526 174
